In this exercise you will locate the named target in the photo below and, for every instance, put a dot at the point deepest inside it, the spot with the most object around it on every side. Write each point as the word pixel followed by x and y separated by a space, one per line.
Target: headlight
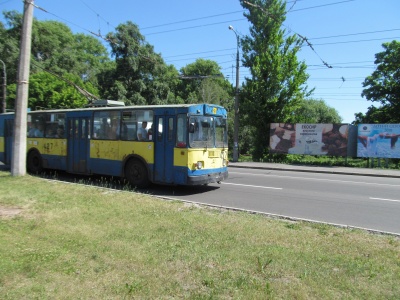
pixel 199 165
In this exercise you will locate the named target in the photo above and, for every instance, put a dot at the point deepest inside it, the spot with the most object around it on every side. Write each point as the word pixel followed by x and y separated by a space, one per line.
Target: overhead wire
pixel 4 2
pixel 216 23
pixel 189 20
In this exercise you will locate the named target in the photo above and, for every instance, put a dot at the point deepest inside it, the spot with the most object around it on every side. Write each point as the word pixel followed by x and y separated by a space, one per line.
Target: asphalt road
pixel 367 202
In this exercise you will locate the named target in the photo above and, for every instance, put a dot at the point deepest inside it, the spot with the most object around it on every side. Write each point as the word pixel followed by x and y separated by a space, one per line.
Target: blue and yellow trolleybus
pixel 163 144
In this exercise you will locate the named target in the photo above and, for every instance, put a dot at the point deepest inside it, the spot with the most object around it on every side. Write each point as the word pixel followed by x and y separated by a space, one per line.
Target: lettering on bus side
pixel 48 147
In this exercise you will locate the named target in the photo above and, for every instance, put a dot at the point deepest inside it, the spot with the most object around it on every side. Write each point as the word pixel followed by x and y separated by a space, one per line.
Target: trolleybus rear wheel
pixel 34 161
pixel 136 173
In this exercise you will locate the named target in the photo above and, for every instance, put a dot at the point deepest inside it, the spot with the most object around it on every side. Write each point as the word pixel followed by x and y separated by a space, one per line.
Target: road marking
pixel 317 179
pixel 256 186
pixel 382 199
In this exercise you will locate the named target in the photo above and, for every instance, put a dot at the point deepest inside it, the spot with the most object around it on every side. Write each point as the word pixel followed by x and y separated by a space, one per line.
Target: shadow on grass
pixel 118 183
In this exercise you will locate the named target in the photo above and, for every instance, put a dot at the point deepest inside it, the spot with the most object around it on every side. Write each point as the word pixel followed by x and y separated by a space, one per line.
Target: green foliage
pixel 383 87
pixel 338 161
pixel 203 82
pixel 49 92
pixel 137 75
pixel 55 48
pixel 276 86
pixel 77 58
pixel 314 111
pixel 9 44
pixel 140 75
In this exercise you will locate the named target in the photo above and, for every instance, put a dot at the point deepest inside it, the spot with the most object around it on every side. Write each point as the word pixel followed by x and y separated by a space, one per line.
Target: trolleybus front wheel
pixel 136 173
pixel 34 162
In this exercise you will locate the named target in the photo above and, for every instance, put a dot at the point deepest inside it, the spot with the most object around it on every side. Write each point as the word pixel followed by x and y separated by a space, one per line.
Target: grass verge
pixel 63 241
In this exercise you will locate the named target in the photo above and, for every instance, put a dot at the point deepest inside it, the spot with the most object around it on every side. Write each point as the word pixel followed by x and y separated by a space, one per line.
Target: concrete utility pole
pixel 4 103
pixel 236 121
pixel 18 159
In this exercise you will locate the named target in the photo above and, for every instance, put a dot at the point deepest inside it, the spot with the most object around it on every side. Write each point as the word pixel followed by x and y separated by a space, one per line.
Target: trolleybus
pixel 162 144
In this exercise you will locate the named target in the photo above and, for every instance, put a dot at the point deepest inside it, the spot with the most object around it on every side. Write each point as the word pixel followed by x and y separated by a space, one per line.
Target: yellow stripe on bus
pixel 119 150
pixel 48 146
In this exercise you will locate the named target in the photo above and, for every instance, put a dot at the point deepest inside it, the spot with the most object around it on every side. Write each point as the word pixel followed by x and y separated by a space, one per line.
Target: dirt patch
pixel 9 212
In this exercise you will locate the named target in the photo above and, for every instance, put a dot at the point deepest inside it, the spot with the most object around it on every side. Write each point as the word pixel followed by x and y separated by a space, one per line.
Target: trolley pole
pixel 18 159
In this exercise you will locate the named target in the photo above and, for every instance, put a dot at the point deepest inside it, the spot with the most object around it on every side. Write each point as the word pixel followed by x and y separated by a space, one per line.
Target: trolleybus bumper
pixel 208 178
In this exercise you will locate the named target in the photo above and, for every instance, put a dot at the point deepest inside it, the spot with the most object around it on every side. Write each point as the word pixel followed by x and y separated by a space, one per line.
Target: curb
pixel 316 170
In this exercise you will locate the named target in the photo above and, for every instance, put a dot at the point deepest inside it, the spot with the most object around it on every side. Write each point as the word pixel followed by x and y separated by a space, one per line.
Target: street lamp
pixel 236 121
pixel 4 103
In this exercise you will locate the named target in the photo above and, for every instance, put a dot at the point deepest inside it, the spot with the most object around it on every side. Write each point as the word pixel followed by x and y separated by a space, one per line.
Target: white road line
pixel 255 186
pixel 382 199
pixel 317 179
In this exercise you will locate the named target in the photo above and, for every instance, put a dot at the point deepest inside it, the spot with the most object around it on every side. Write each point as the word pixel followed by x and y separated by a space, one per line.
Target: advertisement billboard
pixel 311 139
pixel 378 140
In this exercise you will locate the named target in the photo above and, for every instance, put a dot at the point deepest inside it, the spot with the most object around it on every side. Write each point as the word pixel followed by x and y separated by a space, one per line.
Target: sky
pixel 345 34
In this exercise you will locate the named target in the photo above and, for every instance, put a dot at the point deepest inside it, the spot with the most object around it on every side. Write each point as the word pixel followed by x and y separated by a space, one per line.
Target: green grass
pixel 78 242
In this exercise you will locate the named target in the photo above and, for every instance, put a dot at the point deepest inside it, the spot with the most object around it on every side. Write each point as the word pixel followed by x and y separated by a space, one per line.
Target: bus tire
pixel 34 162
pixel 136 173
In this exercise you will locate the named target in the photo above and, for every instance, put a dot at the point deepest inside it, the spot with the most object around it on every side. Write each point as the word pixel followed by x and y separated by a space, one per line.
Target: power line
pixel 81 90
pixel 350 34
pixel 217 23
pixel 341 35
pixel 335 78
pixel 201 52
pixel 358 41
pixel 192 27
pixel 323 5
pixel 98 15
pixel 203 18
pixel 4 2
pixel 191 20
pixel 196 26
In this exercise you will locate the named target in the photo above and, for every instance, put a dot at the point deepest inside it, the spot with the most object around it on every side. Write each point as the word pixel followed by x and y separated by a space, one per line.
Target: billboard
pixel 311 139
pixel 378 140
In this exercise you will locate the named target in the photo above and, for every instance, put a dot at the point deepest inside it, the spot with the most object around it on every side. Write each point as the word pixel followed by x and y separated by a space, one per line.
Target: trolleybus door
pixel 164 137
pixel 78 144
pixel 8 140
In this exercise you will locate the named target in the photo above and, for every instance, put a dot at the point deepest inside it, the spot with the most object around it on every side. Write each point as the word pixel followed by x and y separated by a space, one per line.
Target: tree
pixel 54 48
pixel 277 82
pixel 202 81
pixel 315 111
pixel 383 87
pixel 140 76
pixel 9 43
pixel 49 92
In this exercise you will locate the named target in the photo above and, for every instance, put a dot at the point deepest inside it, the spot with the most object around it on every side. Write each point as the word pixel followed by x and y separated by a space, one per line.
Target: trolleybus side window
pixel 221 135
pixel 55 125
pixel 160 129
pixel 76 132
pixel 49 125
pixel 170 129
pixel 111 125
pixel 129 125
pixel 36 125
pixel 181 131
pixel 145 124
pixel 106 125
